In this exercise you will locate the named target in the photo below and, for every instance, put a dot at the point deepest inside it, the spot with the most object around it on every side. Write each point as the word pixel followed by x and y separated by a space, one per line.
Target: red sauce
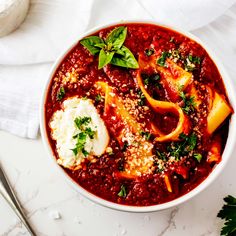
pixel 101 178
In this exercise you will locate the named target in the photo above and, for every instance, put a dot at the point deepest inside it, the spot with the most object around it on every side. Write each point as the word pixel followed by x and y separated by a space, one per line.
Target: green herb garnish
pixel 147 135
pixel 183 147
pixel 197 156
pixel 190 140
pixel 82 123
pixel 162 59
pixel 195 60
pixel 111 50
pixel 151 80
pixel 90 132
pixel 98 98
pixel 79 147
pixel 149 51
pixel 142 98
pixel 189 103
pixel 161 155
pixel 122 192
pixel 190 62
pixel 228 213
pixel 61 93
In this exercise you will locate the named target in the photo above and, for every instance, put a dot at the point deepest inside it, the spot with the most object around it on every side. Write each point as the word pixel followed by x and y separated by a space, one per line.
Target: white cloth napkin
pixel 51 25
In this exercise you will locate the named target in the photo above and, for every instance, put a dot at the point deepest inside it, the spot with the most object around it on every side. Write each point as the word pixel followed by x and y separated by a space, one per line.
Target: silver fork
pixel 7 192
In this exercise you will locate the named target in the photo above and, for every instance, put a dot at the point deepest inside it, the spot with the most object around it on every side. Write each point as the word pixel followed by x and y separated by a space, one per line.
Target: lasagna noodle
pixel 174 78
pixel 218 111
pixel 139 159
pixel 174 75
pixel 164 107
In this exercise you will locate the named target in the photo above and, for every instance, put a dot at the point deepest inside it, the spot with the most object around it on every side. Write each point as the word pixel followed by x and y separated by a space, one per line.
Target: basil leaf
pixel 117 37
pixel 128 60
pixel 100 45
pixel 104 58
pixel 92 43
pixel 120 52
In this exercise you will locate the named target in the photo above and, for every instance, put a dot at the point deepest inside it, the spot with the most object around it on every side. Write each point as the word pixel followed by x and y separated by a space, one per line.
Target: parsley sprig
pixel 142 98
pixel 189 102
pixel 153 79
pixel 149 51
pixel 82 121
pixel 111 50
pixel 99 98
pixel 184 147
pixel 161 61
pixel 61 93
pixel 145 134
pixel 191 62
pixel 81 138
pixel 122 192
pixel 228 213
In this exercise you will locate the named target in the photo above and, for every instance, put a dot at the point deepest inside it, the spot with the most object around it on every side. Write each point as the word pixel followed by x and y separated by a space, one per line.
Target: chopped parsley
pixel 175 55
pixel 79 147
pixel 184 146
pixel 189 103
pixel 151 80
pixel 80 121
pixel 98 98
pixel 60 93
pixel 190 140
pixel 147 135
pixel 81 138
pixel 162 59
pixel 228 213
pixel 195 60
pixel 161 155
pixel 149 51
pixel 142 98
pixel 197 156
pixel 122 192
pixel 191 61
pixel 90 132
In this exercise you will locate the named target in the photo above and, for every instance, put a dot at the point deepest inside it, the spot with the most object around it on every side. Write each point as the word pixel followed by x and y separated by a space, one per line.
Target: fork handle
pixel 7 192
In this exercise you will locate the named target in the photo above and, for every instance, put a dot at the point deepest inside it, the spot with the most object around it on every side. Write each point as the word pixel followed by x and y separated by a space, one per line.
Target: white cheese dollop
pixel 12 14
pixel 63 129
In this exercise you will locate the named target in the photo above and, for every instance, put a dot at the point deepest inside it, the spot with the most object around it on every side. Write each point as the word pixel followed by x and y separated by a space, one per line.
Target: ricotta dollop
pixel 64 131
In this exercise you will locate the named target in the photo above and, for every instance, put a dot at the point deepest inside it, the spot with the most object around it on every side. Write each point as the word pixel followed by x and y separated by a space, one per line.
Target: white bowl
pixel 212 176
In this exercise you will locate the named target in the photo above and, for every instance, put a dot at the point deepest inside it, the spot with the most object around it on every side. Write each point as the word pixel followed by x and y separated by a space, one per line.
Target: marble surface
pixel 55 209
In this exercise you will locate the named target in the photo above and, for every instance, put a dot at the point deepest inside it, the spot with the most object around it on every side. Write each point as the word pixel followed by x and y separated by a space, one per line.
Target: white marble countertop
pixel 44 192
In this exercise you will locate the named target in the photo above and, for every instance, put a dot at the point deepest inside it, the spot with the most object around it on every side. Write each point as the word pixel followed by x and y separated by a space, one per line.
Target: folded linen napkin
pixel 51 25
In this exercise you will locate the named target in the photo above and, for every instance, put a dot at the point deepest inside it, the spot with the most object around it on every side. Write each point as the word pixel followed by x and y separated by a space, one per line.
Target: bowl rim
pixel 229 87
